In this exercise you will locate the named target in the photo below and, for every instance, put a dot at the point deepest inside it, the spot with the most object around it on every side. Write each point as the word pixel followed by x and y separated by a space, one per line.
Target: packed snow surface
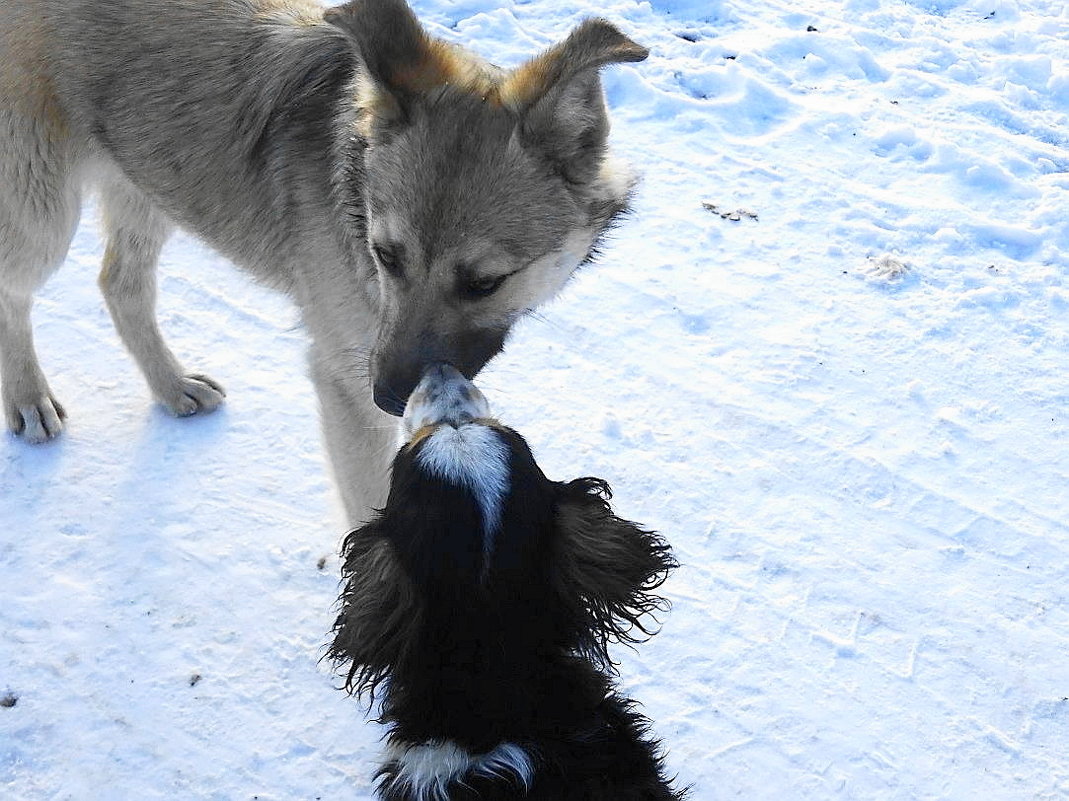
pixel 827 356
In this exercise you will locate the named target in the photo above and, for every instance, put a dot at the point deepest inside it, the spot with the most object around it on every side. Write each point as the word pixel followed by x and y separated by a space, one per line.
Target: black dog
pixel 480 604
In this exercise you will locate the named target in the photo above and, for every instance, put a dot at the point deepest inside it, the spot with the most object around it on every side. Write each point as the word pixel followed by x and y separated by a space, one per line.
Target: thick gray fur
pixel 299 146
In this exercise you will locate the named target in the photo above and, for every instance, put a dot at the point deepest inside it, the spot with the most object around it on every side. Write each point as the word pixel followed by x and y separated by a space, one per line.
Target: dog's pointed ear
pixel 378 608
pixel 391 43
pixel 391 46
pixel 559 97
pixel 400 59
pixel 606 569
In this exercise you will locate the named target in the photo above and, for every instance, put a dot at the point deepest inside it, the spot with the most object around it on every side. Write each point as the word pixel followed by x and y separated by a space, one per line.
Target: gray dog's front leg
pixel 136 231
pixel 360 440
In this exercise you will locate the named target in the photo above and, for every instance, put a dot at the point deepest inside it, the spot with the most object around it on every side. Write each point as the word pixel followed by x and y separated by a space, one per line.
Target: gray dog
pixel 413 199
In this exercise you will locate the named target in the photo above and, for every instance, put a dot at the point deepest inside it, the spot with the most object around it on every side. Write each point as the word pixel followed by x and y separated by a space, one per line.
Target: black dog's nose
pixel 390 401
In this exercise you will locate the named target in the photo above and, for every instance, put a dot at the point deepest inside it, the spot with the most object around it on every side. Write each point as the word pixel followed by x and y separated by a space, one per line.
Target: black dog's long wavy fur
pixel 513 651
pixel 606 581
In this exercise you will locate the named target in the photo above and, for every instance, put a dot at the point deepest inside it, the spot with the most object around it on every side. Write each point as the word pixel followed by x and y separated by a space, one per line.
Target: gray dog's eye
pixel 476 287
pixel 389 260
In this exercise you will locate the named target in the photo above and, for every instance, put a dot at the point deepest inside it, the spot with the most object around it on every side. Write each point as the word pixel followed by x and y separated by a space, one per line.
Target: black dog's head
pixel 480 570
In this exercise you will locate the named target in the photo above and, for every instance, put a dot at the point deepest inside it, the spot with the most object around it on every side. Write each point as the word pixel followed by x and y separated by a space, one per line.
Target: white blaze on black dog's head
pixel 445 422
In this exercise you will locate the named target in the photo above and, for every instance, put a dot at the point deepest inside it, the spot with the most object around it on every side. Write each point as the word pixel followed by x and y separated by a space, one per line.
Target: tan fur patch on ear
pixel 530 81
pixel 445 64
pixel 592 45
pixel 440 64
pixel 373 105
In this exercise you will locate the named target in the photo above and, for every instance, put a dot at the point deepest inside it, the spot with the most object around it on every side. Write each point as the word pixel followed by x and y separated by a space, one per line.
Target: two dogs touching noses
pixel 479 605
pixel 414 201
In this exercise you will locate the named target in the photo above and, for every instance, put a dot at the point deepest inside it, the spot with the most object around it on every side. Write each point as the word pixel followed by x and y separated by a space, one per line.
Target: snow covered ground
pixel 849 414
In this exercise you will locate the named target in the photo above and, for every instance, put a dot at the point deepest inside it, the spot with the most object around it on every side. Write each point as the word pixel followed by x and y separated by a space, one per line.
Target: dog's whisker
pixel 544 320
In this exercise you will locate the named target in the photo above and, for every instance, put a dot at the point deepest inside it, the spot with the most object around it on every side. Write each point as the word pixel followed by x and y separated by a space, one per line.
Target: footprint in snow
pixel 886 269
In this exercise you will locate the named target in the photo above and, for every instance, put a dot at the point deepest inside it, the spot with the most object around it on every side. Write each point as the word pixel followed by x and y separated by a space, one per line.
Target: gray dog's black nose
pixel 389 400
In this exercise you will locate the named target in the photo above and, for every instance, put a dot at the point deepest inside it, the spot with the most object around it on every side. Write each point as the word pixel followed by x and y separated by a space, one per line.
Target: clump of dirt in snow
pixel 734 216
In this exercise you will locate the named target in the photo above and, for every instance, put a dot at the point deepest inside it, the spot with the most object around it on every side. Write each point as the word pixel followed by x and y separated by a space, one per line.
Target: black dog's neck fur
pixel 480 648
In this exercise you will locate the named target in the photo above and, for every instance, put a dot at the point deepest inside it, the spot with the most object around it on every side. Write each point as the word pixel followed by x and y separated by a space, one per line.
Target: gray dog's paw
pixel 192 394
pixel 37 420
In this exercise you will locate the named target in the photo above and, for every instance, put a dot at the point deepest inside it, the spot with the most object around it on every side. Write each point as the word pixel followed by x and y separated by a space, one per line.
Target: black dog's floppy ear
pixel 606 569
pixel 378 608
